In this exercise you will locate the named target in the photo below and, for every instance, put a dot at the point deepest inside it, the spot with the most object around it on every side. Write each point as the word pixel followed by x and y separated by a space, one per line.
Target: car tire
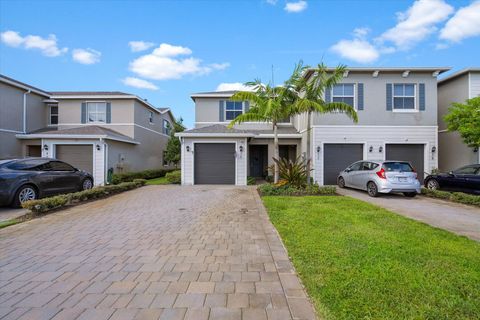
pixel 432 184
pixel 24 193
pixel 87 184
pixel 372 189
pixel 341 182
pixel 410 194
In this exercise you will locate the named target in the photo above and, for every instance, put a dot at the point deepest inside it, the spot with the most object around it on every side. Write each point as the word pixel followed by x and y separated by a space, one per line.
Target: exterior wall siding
pixel 188 158
pixel 375 136
pixel 474 84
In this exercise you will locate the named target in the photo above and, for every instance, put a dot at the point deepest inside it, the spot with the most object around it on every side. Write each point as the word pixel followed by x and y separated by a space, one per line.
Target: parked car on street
pixel 32 178
pixel 464 179
pixel 381 177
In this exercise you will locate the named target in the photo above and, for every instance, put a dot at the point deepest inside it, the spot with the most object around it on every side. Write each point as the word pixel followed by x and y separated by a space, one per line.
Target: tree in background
pixel 465 119
pixel 173 149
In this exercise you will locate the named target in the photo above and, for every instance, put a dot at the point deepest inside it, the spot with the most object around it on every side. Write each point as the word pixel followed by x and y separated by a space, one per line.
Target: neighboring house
pixel 93 131
pixel 458 87
pixel 397 111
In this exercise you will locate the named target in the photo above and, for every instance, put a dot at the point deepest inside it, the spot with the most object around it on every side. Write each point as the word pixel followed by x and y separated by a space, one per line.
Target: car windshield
pixel 397 167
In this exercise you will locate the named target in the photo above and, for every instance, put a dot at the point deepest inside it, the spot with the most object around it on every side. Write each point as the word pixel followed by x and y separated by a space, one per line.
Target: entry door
pixel 413 153
pixel 214 163
pixel 258 160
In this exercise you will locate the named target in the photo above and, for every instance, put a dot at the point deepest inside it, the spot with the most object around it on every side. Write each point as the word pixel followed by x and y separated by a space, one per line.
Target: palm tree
pixel 268 104
pixel 310 97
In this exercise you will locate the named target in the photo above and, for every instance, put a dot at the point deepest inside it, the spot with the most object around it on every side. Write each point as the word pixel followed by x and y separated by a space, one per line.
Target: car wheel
pixel 433 184
pixel 25 193
pixel 341 182
pixel 410 194
pixel 87 184
pixel 372 189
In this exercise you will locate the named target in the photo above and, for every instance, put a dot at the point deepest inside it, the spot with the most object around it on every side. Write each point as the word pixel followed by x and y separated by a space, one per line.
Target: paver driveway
pixel 159 252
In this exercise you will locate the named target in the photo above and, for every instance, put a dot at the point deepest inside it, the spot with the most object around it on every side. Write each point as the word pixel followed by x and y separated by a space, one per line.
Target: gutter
pixel 25 110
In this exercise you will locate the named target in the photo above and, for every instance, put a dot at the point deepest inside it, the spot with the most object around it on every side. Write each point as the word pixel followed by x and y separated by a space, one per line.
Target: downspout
pixel 25 110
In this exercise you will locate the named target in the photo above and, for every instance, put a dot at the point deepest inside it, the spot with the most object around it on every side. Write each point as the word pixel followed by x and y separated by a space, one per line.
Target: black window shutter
pixel 84 112
pixel 421 96
pixel 109 112
pixel 360 96
pixel 389 97
pixel 221 111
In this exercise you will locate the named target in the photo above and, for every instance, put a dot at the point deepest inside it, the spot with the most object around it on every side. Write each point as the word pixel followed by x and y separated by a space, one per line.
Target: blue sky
pixel 182 47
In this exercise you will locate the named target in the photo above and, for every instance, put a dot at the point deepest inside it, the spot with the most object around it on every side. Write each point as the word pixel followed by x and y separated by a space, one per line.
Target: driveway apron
pixel 158 252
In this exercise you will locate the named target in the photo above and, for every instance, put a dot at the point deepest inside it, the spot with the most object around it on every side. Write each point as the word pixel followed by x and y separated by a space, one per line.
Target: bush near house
pixel 56 202
pixel 174 177
pixel 147 174
pixel 458 197
pixel 281 189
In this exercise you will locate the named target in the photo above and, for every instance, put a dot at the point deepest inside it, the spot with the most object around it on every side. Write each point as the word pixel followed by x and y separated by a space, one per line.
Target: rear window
pixel 397 167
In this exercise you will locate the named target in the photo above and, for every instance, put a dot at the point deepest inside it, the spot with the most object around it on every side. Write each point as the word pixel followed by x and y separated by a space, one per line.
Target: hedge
pixel 55 202
pixel 458 197
pixel 174 177
pixel 147 174
pixel 269 189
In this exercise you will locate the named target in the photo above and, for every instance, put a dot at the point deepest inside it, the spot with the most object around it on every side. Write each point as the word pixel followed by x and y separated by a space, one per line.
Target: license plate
pixel 402 179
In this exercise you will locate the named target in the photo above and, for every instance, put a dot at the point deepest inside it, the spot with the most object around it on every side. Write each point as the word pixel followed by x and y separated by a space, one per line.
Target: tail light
pixel 381 174
pixel 415 172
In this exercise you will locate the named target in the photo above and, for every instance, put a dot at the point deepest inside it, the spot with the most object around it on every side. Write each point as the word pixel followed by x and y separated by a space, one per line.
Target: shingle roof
pixel 222 130
pixel 22 84
pixel 89 130
pixel 216 128
pixel 90 93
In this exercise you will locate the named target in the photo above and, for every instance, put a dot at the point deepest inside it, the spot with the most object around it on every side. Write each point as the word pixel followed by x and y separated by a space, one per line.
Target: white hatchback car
pixel 381 177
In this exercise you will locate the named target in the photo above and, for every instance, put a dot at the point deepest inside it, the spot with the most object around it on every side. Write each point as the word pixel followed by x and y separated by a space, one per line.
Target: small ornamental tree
pixel 465 119
pixel 173 149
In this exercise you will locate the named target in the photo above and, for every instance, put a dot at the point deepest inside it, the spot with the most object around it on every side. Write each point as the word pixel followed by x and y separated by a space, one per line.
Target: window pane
pixel 337 99
pixel 54 120
pixel 348 101
pixel 398 90
pixel 238 105
pixel 338 90
pixel 398 103
pixel 397 167
pixel 101 117
pixel 230 105
pixel 348 89
pixel 466 170
pixel 409 90
pixel 60 166
pixel 408 103
pixel 229 115
pixel 53 110
pixel 237 113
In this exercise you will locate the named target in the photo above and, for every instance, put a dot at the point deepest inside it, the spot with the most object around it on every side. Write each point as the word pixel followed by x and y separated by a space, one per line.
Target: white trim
pixel 112 124
pixel 415 87
pixel 280 135
pixel 215 135
pixel 10 131
pixel 280 124
pixel 469 85
pixel 366 126
pixel 72 136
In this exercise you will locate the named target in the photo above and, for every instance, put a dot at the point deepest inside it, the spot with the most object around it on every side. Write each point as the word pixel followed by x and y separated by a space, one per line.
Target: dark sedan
pixel 32 178
pixel 465 179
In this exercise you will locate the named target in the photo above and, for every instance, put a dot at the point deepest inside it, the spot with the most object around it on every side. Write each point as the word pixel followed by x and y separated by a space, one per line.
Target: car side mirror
pixel 347 170
pixel 450 173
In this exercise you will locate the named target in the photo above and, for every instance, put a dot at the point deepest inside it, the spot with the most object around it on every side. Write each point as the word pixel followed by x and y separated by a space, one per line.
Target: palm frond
pixel 342 107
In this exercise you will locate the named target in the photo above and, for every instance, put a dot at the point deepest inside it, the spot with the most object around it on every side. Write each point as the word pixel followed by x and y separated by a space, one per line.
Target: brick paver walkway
pixel 159 252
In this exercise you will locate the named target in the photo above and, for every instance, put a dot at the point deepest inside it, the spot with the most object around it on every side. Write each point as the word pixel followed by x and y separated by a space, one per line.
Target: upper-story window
pixel 404 96
pixel 233 109
pixel 97 111
pixel 150 116
pixel 53 115
pixel 166 127
pixel 344 92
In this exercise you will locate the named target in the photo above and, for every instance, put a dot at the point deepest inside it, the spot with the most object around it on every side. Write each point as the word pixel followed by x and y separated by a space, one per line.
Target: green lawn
pixel 359 261
pixel 10 222
pixel 156 181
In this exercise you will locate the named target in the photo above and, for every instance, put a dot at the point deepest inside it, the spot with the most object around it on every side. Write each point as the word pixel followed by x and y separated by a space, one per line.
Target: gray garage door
pixel 214 163
pixel 338 156
pixel 414 153
pixel 79 156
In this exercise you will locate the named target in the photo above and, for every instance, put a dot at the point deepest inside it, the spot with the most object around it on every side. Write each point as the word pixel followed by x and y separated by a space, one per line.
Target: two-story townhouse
pixel 397 111
pixel 98 132
pixel 457 87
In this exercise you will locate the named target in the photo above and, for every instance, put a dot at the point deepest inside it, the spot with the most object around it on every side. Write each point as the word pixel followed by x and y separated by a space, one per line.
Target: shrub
pixel 293 172
pixel 174 177
pixel 251 181
pixel 459 197
pixel 269 189
pixel 48 204
pixel 130 176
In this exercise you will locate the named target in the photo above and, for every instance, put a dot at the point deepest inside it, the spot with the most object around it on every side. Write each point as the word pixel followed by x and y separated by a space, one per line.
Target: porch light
pixel 45 147
pixel 370 149
pixel 240 148
pixel 475 149
pixel 188 148
pixel 318 149
pixel 98 147
pixel 380 149
pixel 434 149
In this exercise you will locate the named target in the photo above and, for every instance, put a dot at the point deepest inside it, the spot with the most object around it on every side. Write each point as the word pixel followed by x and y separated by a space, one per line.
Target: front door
pixel 258 160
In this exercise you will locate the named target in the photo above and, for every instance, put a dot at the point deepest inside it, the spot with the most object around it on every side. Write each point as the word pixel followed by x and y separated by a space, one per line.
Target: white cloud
pixel 295 7
pixel 139 83
pixel 86 56
pixel 164 63
pixel 272 2
pixel 137 46
pixel 417 23
pixel 47 46
pixel 229 86
pixel 358 49
pixel 464 24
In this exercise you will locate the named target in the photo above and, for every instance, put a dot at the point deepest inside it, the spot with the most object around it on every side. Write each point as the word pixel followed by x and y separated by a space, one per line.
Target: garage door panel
pixel 79 156
pixel 413 153
pixel 338 156
pixel 214 163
